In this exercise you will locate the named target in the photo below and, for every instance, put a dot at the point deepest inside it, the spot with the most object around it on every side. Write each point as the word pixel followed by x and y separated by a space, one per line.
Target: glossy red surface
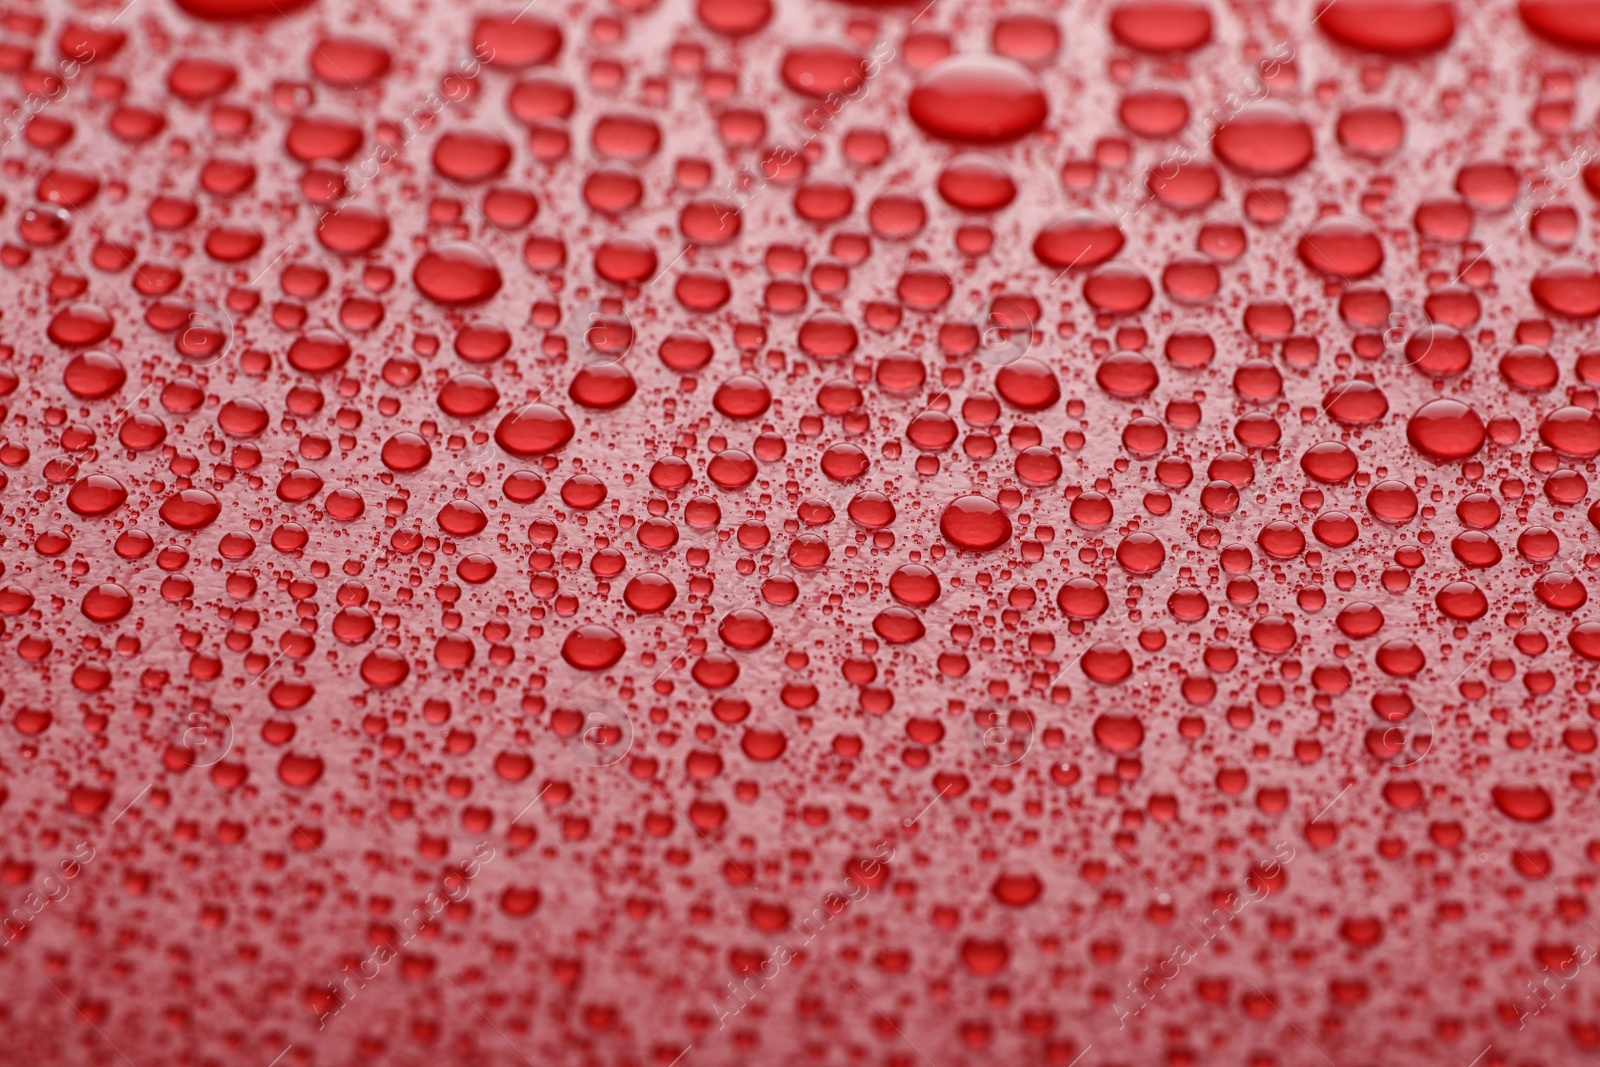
pixel 801 532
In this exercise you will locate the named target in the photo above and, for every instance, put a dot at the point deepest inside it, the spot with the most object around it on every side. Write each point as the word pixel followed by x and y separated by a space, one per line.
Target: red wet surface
pixel 728 532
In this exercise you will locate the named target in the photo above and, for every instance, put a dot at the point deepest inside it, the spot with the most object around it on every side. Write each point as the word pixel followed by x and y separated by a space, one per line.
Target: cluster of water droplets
pixel 1075 448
